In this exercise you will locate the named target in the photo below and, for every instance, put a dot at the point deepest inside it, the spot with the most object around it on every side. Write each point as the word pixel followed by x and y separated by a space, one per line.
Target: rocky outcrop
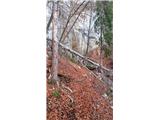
pixel 77 38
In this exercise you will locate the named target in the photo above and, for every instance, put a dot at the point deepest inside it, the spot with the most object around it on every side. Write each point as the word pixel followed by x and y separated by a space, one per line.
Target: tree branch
pixel 69 18
pixel 74 21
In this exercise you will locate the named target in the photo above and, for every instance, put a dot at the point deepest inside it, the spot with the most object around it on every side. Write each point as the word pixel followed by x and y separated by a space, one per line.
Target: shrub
pixel 56 94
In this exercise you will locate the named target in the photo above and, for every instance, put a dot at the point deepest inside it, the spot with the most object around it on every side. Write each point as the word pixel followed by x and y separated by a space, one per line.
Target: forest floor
pixel 79 95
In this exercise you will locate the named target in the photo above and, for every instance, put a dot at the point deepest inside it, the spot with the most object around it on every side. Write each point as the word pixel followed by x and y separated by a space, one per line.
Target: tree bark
pixel 100 60
pixel 55 43
pixel 89 30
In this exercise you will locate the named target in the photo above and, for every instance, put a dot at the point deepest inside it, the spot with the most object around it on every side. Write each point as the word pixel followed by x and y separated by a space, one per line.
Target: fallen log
pixel 83 57
pixel 109 71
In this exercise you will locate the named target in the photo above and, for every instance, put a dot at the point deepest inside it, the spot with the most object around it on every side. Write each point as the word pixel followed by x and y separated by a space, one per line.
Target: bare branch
pixel 83 57
pixel 69 18
pixel 75 21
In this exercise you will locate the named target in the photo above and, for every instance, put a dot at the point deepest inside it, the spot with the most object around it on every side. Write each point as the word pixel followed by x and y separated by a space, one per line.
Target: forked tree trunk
pixel 55 43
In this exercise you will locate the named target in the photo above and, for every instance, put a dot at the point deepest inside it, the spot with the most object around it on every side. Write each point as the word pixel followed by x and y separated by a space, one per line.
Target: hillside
pixel 79 96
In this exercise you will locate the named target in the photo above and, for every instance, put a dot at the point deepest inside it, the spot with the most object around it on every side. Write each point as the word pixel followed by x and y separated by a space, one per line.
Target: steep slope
pixel 79 95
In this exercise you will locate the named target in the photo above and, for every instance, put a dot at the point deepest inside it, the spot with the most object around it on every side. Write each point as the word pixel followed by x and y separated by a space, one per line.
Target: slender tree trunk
pixel 100 60
pixel 55 43
pixel 89 30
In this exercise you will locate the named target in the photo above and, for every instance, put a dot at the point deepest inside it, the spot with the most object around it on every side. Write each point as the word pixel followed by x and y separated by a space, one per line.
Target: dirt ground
pixel 79 96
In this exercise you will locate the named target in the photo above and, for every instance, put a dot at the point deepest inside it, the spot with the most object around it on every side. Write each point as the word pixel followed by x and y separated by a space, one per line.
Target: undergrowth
pixel 56 94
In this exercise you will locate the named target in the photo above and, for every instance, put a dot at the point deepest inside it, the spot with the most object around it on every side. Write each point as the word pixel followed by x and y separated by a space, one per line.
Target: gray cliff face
pixel 78 36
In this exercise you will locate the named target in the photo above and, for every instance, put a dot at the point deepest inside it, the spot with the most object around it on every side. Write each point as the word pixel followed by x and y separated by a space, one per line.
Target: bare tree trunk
pixel 89 30
pixel 100 60
pixel 55 44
